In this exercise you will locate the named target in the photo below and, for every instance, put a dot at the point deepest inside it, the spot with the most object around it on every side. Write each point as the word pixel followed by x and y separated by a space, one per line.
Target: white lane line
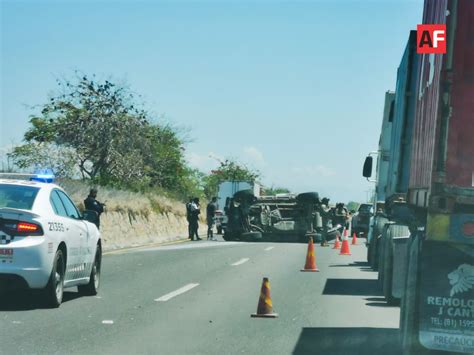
pixel 240 262
pixel 178 292
pixel 269 248
pixel 107 322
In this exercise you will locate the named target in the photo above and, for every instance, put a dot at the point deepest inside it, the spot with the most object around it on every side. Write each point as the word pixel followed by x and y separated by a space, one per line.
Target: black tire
pixel 228 237
pixel 54 290
pixel 92 288
pixel 373 246
pixel 369 253
pixel 387 281
pixel 381 255
pixel 251 236
pixel 245 196
pixel 308 197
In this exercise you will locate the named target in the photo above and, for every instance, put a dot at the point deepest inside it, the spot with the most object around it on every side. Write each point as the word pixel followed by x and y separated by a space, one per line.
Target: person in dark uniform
pixel 188 217
pixel 326 214
pixel 210 216
pixel 92 204
pixel 341 216
pixel 194 218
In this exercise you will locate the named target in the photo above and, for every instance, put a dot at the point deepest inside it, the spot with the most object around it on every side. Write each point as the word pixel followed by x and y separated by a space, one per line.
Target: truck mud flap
pixel 400 264
pixel 447 297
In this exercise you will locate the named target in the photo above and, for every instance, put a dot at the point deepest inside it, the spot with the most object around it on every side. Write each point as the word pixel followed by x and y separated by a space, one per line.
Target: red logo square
pixel 431 39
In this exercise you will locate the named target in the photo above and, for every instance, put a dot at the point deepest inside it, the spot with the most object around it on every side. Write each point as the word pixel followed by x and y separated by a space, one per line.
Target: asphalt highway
pixel 197 297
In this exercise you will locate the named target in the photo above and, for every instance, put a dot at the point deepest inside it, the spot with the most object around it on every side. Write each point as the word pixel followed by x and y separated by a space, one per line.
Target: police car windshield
pixel 15 196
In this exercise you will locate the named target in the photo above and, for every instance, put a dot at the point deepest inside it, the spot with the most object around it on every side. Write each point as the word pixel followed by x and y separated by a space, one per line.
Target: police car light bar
pixel 43 175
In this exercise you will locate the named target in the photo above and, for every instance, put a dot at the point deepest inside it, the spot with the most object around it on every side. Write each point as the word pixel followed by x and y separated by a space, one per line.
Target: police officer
pixel 341 215
pixel 210 216
pixel 325 212
pixel 92 204
pixel 194 218
pixel 188 217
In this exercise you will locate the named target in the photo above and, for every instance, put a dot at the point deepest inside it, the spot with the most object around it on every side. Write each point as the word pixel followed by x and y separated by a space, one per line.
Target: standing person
pixel 91 204
pixel 325 212
pixel 341 215
pixel 210 216
pixel 188 217
pixel 195 211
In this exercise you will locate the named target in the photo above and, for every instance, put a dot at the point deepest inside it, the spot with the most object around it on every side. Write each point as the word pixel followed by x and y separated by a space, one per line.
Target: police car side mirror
pixel 90 216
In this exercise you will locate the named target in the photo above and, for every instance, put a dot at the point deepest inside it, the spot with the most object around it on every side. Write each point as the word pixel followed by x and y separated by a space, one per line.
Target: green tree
pixel 45 154
pixel 108 138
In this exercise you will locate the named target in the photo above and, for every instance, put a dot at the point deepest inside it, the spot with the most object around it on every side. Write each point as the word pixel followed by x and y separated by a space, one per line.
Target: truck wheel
pixel 228 237
pixel 53 292
pixel 377 231
pixel 381 256
pixel 92 287
pixel 251 236
pixel 374 251
pixel 388 275
pixel 384 243
pixel 369 253
pixel 308 197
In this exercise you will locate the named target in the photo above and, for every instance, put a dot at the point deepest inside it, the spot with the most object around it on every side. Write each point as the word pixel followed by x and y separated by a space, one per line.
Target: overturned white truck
pixel 287 217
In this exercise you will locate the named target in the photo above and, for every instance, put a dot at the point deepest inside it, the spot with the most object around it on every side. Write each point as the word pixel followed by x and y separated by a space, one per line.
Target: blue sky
pixel 292 88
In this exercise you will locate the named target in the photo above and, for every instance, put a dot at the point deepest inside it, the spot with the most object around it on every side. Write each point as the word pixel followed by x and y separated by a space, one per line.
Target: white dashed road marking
pixel 178 292
pixel 107 322
pixel 269 248
pixel 240 262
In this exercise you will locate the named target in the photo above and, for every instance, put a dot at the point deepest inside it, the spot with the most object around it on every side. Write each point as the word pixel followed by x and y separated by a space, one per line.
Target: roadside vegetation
pixel 100 133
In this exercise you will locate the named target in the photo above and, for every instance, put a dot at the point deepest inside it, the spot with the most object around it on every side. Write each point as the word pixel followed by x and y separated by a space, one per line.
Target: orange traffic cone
pixel 310 258
pixel 265 307
pixel 337 245
pixel 354 239
pixel 345 244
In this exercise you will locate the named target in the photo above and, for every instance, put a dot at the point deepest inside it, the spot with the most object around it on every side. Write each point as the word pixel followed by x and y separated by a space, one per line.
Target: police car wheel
pixel 53 293
pixel 92 288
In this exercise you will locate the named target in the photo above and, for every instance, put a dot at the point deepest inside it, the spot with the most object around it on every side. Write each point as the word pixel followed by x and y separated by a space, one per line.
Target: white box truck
pixel 226 190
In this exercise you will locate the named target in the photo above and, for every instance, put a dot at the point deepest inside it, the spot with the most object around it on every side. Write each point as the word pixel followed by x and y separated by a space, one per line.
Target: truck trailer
pixel 432 198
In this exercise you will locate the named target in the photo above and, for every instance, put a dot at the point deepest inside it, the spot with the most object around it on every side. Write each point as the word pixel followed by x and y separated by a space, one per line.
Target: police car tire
pixel 92 288
pixel 51 296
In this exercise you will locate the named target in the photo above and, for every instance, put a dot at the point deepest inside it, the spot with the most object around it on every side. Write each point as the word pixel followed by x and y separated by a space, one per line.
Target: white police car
pixel 45 242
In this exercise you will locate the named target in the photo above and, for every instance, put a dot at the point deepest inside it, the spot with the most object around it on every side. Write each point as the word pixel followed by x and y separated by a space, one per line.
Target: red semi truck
pixel 437 303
